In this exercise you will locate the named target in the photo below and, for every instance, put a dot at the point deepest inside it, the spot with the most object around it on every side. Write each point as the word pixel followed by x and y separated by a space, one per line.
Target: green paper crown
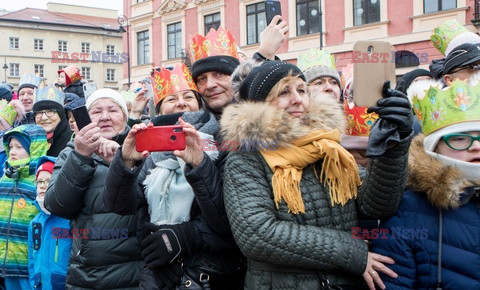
pixel 30 79
pixel 315 57
pixel 50 93
pixel 7 112
pixel 441 108
pixel 442 35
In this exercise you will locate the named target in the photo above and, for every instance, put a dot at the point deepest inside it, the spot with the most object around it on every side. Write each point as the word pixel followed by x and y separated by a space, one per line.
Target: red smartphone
pixel 161 138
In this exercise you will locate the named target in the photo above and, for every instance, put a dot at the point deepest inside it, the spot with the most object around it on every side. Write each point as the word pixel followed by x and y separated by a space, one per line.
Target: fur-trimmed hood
pixel 259 121
pixel 444 185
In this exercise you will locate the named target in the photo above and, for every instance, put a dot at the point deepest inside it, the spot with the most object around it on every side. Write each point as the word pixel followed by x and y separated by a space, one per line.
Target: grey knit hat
pixel 318 71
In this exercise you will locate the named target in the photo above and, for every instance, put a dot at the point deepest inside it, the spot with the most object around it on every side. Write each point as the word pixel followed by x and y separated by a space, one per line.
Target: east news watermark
pixel 394 233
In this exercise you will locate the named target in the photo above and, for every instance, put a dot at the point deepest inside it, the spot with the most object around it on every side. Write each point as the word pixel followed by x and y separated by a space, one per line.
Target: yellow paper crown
pixel 315 57
pixel 50 93
pixel 445 33
pixel 440 108
pixel 167 82
pixel 216 42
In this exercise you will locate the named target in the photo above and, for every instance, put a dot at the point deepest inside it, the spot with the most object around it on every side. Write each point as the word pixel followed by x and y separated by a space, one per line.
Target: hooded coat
pixel 413 233
pixel 110 256
pixel 17 208
pixel 283 251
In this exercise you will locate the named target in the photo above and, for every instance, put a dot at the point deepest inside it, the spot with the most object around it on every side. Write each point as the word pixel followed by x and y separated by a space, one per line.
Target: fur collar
pixel 258 121
pixel 444 185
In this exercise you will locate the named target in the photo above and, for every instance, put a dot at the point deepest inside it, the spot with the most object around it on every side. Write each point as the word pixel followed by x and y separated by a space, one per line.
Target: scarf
pixel 18 163
pixel 339 170
pixel 470 170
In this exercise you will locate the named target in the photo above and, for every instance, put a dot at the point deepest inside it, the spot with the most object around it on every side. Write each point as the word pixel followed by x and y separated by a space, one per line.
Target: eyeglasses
pixel 471 66
pixel 42 182
pixel 460 141
pixel 48 113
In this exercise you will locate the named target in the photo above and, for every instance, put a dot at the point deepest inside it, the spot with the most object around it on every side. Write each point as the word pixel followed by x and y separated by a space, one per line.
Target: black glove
pixel 168 276
pixel 167 243
pixel 395 120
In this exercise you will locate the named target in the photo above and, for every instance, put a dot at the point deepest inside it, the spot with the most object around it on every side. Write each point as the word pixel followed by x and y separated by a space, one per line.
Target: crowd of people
pixel 293 204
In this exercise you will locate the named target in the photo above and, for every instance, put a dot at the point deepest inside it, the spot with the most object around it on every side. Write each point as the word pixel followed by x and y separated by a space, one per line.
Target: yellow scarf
pixel 339 169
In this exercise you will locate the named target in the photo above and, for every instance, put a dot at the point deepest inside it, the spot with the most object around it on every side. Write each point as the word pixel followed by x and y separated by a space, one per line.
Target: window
pixel 14 69
pixel 438 5
pixel 140 1
pixel 38 68
pixel 366 11
pixel 308 17
pixel 62 45
pixel 85 47
pixel 174 40
pixel 110 75
pixel 256 20
pixel 110 49
pixel 60 67
pixel 14 43
pixel 211 21
pixel 86 73
pixel 38 44
pixel 143 47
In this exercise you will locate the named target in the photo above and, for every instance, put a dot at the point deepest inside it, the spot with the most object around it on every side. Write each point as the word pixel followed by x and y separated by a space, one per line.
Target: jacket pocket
pixel 58 281
pixel 37 280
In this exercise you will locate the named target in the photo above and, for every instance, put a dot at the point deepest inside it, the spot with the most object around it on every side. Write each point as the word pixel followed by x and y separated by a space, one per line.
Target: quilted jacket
pixel 287 251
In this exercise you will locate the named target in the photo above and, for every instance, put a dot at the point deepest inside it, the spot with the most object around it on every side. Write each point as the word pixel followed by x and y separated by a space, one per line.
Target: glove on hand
pixel 167 243
pixel 396 108
pixel 168 276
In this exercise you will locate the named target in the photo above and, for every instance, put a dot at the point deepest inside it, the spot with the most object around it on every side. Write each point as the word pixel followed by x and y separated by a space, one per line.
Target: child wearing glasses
pixel 24 145
pixel 49 237
pixel 434 237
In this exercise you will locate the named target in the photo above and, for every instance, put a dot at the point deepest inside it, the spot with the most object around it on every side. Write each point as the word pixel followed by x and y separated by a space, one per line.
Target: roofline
pixel 54 23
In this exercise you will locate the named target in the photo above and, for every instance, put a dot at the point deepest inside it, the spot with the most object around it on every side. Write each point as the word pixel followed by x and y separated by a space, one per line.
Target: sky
pixel 11 5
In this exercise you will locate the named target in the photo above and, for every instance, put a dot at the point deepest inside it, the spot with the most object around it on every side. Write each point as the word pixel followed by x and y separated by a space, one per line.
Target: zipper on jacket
pixel 8 228
pixel 56 251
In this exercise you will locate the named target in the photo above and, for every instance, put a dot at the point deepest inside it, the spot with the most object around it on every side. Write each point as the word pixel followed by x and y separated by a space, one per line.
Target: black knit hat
pixel 461 56
pixel 220 63
pixel 49 105
pixel 408 78
pixel 260 81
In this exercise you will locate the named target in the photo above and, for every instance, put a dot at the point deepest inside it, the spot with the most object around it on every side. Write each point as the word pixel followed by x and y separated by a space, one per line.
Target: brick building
pixel 160 29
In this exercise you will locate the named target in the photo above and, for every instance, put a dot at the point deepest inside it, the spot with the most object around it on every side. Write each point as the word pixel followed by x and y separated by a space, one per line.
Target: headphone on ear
pixel 12 172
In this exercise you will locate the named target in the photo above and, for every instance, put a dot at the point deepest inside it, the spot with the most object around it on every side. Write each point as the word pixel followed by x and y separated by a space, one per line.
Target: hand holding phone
pixel 272 8
pixel 81 116
pixel 160 138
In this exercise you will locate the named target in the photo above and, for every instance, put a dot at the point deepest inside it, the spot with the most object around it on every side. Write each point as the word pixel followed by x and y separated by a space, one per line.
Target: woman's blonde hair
pixel 277 89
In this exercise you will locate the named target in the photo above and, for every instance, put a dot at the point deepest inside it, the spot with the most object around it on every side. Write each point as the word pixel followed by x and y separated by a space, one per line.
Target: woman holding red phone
pixel 175 231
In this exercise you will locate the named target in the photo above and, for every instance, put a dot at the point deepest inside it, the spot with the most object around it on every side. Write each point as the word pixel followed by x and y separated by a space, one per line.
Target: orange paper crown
pixel 167 82
pixel 216 42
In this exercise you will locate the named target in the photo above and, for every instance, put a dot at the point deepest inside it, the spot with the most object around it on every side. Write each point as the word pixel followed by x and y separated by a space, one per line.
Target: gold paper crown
pixel 440 108
pixel 316 57
pixel 167 82
pixel 216 42
pixel 50 93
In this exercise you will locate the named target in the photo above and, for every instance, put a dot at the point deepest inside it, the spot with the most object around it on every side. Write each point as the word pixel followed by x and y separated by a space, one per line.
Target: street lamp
pixel 125 27
pixel 320 23
pixel 5 67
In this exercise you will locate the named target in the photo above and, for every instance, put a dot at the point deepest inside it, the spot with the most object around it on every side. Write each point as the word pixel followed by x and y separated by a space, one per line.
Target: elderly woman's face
pixel 109 116
pixel 184 101
pixel 293 98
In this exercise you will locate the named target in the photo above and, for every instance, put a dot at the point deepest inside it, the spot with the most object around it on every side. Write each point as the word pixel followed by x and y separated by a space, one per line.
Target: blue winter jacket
pixel 413 233
pixel 49 244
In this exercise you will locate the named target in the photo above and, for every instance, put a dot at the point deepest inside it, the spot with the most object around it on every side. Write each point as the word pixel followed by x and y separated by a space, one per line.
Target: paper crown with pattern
pixel 167 82
pixel 50 93
pixel 72 74
pixel 216 42
pixel 359 122
pixel 439 108
pixel 451 34
pixel 314 57
pixel 31 79
pixel 7 112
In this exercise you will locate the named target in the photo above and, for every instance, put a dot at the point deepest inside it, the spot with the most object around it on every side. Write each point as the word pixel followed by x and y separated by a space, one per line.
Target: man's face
pixel 26 96
pixel 215 89
pixel 327 85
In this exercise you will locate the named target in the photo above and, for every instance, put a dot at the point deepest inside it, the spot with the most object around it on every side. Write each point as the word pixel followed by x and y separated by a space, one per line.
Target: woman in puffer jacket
pixel 293 194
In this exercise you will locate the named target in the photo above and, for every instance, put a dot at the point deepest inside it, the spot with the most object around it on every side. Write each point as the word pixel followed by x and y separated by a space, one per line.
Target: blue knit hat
pixel 24 141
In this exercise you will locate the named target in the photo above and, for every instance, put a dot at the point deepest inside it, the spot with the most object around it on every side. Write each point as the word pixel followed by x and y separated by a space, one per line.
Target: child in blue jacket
pixel 49 241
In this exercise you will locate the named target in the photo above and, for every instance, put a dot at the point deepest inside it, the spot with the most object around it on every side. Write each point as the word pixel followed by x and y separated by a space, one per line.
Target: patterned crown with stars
pixel 216 42
pixel 167 82
pixel 50 93
pixel 439 108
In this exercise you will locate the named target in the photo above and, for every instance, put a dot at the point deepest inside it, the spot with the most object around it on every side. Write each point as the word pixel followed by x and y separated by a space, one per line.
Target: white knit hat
pixel 107 94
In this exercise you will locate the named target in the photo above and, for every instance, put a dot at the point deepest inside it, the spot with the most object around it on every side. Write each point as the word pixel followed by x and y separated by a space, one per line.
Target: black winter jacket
pixel 110 258
pixel 75 88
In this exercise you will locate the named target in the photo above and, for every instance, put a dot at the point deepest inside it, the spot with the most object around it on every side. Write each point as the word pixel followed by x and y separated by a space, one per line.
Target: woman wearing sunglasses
pixel 434 237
